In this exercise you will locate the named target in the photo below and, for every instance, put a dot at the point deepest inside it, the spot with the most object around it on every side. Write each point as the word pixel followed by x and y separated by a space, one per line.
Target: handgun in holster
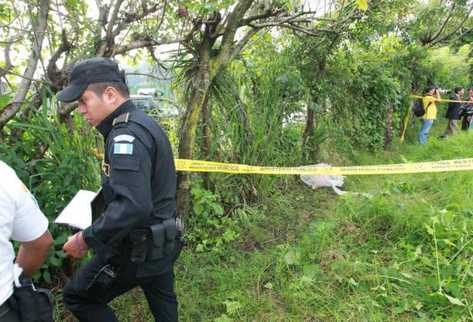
pixel 104 278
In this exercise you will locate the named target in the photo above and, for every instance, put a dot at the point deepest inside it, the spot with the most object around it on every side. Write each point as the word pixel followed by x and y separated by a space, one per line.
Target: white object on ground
pixel 78 212
pixel 331 181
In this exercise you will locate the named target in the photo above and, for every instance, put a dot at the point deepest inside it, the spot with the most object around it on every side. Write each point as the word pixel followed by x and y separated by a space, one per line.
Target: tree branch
pixel 133 17
pixel 268 13
pixel 141 43
pixel 149 75
pixel 55 76
pixel 242 43
pixel 8 63
pixel 113 18
pixel 229 33
pixel 461 24
pixel 444 24
pixel 39 29
pixel 162 15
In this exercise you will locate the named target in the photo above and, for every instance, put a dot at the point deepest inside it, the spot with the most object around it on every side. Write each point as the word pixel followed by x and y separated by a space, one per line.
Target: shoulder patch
pixel 123 148
pixel 124 137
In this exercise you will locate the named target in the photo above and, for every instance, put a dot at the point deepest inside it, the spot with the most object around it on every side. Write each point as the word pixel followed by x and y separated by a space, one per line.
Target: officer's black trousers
pixel 91 306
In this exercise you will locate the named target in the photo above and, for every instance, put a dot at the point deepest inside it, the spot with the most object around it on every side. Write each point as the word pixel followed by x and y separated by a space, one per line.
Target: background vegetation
pixel 281 83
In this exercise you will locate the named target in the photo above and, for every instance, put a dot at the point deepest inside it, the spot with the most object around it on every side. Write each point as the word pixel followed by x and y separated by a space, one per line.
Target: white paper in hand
pixel 78 212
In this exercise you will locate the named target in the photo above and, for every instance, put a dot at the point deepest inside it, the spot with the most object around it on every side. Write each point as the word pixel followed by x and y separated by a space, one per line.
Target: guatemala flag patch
pixel 123 148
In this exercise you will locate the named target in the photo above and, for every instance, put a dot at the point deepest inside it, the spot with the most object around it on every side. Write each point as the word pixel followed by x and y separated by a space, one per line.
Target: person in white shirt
pixel 20 220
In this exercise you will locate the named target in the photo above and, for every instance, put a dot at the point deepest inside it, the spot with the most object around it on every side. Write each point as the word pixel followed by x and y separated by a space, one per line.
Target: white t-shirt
pixel 20 219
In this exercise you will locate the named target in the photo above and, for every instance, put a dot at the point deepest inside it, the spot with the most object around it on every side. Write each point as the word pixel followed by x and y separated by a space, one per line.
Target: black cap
pixel 89 71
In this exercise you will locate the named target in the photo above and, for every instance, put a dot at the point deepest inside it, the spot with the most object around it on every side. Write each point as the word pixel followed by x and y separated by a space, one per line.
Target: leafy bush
pixel 210 229
pixel 55 160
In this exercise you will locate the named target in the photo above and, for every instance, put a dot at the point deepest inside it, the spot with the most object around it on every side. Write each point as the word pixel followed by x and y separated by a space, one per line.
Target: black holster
pixel 154 242
pixel 103 279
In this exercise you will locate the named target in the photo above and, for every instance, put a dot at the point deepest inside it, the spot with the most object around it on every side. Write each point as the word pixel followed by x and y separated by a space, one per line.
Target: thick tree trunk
pixel 309 146
pixel 188 132
pixel 388 136
pixel 39 30
pixel 309 125
pixel 208 69
pixel 206 138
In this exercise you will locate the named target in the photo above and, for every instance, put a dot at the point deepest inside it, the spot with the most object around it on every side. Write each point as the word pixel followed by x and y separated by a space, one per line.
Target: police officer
pixel 20 220
pixel 136 239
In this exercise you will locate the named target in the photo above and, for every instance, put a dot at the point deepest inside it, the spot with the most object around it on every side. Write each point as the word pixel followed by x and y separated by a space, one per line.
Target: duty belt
pixel 155 241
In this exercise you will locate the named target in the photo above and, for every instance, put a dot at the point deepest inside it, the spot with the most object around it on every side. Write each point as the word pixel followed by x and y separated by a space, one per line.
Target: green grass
pixel 401 252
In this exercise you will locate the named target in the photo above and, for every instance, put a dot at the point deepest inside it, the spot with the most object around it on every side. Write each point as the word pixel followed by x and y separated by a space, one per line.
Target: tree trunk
pixel 206 138
pixel 309 124
pixel 309 148
pixel 39 30
pixel 388 136
pixel 208 69
pixel 188 133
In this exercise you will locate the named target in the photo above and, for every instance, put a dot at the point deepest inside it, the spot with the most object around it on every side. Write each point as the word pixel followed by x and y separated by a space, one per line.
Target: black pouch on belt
pixel 139 245
pixel 158 233
pixel 171 234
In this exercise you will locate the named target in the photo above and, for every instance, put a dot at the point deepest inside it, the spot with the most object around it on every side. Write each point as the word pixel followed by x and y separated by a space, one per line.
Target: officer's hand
pixel 75 246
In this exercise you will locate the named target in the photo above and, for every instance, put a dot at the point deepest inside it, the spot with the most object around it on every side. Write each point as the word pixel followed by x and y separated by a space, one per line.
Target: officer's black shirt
pixel 140 187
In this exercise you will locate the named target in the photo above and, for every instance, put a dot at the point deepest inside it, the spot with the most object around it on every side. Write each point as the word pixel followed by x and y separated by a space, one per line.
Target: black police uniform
pixel 136 240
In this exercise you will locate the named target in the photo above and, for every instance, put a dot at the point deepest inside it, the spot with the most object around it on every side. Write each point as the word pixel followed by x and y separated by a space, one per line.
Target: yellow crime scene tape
pixel 418 167
pixel 443 100
pixel 185 165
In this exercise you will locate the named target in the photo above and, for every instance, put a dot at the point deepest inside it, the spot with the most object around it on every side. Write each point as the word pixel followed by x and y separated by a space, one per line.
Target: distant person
pixel 431 96
pixel 467 111
pixel 454 111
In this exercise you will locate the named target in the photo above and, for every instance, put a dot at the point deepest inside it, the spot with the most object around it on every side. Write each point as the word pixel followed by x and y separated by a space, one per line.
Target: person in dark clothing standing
pixel 454 112
pixel 468 111
pixel 136 240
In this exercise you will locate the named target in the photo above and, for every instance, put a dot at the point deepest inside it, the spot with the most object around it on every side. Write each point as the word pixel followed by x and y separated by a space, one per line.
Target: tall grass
pixel 54 160
pixel 401 252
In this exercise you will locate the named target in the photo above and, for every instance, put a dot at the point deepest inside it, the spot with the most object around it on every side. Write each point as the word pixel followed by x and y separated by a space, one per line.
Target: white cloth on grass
pixel 329 180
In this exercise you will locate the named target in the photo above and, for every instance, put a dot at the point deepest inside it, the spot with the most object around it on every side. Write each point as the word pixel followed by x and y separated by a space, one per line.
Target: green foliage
pixel 362 4
pixel 268 249
pixel 450 68
pixel 250 104
pixel 400 252
pixel 205 7
pixel 425 222
pixel 435 21
pixel 56 174
pixel 358 86
pixel 210 229
pixel 4 100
